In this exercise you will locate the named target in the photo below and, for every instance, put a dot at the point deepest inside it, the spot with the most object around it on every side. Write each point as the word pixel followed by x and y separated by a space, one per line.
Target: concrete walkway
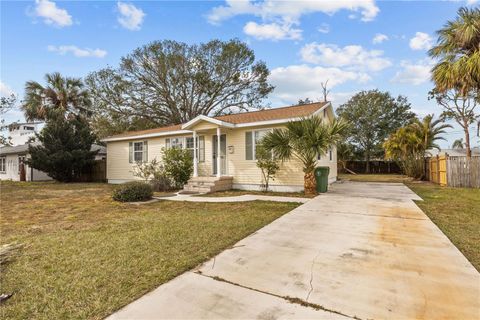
pixel 242 198
pixel 363 251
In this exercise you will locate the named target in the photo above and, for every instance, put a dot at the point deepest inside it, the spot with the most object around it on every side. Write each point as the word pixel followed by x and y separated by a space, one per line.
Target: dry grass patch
pixel 85 256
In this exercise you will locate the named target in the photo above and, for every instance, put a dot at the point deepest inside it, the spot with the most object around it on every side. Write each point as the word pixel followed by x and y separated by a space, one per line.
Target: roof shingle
pixel 244 117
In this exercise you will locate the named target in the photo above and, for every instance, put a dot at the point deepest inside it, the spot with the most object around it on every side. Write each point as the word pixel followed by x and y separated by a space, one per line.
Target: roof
pixel 23 148
pixel 283 113
pixel 453 152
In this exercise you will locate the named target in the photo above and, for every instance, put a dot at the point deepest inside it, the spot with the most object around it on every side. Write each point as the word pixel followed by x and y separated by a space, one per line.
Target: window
pixel 187 143
pixel 138 151
pixel 324 113
pixel 252 138
pixel 3 164
pixel 330 154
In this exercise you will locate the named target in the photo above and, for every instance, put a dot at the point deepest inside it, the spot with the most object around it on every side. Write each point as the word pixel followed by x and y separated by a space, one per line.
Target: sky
pixel 354 44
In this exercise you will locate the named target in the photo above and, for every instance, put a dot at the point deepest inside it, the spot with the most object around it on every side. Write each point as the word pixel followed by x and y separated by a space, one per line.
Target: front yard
pixel 85 256
pixel 456 211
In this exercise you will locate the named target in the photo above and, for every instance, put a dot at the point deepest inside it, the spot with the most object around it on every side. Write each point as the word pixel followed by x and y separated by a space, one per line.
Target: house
pixel 223 149
pixel 453 152
pixel 12 159
pixel 20 133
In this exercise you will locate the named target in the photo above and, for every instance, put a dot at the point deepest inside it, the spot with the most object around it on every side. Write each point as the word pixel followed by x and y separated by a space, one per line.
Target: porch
pixel 212 174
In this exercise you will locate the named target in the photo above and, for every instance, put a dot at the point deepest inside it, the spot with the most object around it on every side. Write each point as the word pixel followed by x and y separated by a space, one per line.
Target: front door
pixel 223 154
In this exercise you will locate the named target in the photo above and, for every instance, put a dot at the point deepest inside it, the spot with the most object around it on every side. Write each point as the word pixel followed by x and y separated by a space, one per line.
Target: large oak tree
pixel 169 82
pixel 373 116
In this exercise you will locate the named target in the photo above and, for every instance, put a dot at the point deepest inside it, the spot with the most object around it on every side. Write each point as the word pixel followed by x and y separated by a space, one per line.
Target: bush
pixel 133 191
pixel 178 165
pixel 161 182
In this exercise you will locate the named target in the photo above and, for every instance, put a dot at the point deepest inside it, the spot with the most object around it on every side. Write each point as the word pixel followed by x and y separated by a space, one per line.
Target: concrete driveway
pixel 363 250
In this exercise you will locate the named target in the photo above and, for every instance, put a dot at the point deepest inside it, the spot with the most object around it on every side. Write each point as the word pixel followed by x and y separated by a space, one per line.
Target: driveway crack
pixel 311 274
pixel 287 298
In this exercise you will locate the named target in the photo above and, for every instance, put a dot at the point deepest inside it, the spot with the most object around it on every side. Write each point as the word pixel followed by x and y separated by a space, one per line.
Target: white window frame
pixel 174 142
pixel 136 152
pixel 255 137
pixel 3 164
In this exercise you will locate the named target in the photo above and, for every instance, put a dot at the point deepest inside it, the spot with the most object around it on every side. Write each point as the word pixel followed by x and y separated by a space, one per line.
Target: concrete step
pixel 209 184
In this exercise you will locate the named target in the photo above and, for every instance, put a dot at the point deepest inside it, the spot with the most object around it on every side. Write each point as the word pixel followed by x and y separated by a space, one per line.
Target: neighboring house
pixel 229 160
pixel 13 157
pixel 19 133
pixel 453 152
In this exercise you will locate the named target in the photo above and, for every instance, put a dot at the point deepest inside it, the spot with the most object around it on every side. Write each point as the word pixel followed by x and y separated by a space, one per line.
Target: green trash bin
pixel 321 176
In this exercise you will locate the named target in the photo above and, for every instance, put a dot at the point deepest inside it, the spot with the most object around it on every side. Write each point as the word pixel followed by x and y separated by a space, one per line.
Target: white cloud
pixel 324 28
pixel 78 52
pixel 290 10
pixel 414 73
pixel 421 41
pixel 5 90
pixel 379 38
pixel 51 14
pixel 300 81
pixel 352 56
pixel 277 16
pixel 130 17
pixel 471 2
pixel 272 31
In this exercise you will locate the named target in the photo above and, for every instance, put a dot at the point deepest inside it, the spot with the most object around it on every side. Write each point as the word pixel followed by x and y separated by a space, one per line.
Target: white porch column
pixel 219 170
pixel 195 160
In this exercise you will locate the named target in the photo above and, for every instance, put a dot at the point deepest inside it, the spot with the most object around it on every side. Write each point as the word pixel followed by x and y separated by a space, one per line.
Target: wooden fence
pixel 360 166
pixel 454 171
pixel 96 173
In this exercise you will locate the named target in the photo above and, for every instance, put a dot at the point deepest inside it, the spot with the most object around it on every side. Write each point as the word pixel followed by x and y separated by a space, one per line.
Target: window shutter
pixel 167 143
pixel 130 152
pixel 145 151
pixel 248 146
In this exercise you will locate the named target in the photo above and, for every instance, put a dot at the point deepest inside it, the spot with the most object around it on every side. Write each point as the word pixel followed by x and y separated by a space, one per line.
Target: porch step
pixel 208 184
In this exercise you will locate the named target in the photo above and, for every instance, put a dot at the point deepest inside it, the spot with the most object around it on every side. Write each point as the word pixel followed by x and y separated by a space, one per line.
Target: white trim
pixel 207 119
pixel 148 135
pixel 214 121
pixel 195 160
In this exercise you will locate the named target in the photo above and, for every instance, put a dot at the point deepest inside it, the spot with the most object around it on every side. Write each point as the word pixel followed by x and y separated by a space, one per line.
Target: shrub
pixel 133 191
pixel 178 165
pixel 268 164
pixel 160 181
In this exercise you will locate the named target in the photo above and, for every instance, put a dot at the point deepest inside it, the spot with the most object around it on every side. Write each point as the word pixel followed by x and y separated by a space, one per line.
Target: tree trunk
pixel 309 184
pixel 367 158
pixel 467 143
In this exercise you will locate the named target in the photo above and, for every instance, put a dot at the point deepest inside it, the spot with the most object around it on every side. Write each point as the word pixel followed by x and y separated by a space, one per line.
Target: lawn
pixel 85 256
pixel 456 211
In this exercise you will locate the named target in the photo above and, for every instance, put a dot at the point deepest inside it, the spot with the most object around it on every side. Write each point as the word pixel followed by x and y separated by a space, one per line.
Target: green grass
pixel 235 192
pixel 456 211
pixel 85 256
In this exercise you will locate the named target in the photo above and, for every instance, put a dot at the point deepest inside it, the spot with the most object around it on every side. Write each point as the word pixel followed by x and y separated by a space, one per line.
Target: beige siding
pixel 244 172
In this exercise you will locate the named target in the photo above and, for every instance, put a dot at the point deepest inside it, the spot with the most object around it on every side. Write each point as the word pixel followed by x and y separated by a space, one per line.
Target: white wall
pixel 13 174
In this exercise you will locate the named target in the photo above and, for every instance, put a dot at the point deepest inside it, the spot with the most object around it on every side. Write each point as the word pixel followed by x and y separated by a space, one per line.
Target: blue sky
pixel 356 45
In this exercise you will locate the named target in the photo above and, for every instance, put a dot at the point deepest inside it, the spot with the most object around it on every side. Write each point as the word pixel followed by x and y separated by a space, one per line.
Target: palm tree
pixel 458 51
pixel 429 131
pixel 458 144
pixel 305 140
pixel 63 94
pixel 410 144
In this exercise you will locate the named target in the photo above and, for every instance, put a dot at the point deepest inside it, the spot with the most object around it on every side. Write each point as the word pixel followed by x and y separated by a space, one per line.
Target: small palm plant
pixel 305 140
